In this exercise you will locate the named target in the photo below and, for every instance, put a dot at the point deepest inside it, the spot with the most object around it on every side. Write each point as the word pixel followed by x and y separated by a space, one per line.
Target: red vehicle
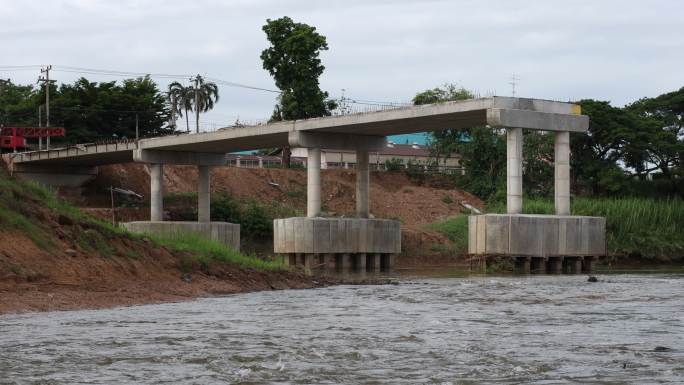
pixel 14 138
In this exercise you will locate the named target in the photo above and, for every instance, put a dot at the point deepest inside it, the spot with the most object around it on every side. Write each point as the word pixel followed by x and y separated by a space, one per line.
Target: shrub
pixel 256 223
pixel 225 208
pixel 394 164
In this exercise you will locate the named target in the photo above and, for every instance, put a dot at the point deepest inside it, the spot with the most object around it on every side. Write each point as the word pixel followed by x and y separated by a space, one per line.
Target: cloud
pixel 380 50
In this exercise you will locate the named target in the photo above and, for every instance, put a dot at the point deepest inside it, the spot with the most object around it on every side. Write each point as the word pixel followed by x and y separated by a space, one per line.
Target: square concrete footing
pixel 224 232
pixel 346 244
pixel 536 235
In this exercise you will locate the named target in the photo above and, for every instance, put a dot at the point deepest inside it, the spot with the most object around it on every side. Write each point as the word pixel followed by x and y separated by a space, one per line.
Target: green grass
pixel 205 251
pixel 16 213
pixel 640 227
pixel 456 229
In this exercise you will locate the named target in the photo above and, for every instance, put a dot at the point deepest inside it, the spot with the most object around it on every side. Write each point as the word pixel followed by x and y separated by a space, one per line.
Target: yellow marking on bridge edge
pixel 576 109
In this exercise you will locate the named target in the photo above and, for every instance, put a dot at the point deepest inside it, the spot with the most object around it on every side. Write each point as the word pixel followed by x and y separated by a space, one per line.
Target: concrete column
pixel 514 194
pixel 156 192
pixel 313 183
pixel 329 261
pixel 362 183
pixel 524 264
pixel 361 263
pixel 576 265
pixel 203 195
pixel 562 173
pixel 261 162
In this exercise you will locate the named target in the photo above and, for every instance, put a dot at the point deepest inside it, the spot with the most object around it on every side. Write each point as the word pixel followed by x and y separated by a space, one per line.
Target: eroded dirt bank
pixel 416 201
pixel 52 259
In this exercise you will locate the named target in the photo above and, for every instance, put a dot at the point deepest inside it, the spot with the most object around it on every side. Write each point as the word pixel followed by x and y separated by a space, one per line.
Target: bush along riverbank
pixel 651 230
pixel 55 257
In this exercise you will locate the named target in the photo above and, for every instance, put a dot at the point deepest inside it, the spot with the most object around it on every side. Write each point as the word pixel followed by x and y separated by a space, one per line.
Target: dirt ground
pixel 393 195
pixel 68 276
pixel 414 202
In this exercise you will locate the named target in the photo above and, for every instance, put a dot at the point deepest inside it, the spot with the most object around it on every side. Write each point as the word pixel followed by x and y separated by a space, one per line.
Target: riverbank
pixel 55 257
pixel 54 294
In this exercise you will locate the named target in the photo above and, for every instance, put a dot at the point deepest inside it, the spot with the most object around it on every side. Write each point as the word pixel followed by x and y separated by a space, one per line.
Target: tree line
pixel 632 150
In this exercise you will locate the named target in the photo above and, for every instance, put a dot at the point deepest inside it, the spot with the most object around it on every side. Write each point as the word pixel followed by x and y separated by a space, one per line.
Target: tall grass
pixel 456 229
pixel 206 250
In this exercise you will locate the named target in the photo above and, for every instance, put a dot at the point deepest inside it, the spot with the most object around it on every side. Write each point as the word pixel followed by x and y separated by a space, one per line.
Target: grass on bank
pixel 638 227
pixel 20 203
pixel 205 251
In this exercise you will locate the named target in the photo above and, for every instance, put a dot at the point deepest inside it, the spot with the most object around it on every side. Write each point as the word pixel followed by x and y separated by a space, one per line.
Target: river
pixel 472 330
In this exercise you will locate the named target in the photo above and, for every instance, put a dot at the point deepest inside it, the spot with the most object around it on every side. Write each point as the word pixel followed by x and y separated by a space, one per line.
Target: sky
pixel 379 50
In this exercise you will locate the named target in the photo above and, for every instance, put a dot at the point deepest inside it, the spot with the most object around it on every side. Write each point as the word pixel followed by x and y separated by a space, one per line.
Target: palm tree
pixel 180 98
pixel 205 94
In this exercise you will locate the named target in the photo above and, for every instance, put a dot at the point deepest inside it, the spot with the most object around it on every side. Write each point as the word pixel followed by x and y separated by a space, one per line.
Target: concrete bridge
pixel 363 242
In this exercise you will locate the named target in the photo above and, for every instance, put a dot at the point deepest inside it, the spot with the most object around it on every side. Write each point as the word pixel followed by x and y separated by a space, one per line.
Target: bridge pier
pixel 543 237
pixel 357 244
pixel 226 233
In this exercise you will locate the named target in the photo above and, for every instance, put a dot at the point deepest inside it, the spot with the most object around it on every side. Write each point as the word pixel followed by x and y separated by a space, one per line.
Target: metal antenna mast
pixel 513 83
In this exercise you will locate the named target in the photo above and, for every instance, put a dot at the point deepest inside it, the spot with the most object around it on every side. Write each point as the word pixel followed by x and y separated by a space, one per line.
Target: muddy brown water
pixel 472 330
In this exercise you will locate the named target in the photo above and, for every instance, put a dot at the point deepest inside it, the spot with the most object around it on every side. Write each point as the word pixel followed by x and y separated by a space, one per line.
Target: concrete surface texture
pixel 203 194
pixel 362 184
pixel 156 192
pixel 313 183
pixel 514 190
pixel 336 235
pixel 226 233
pixel 562 173
pixel 536 235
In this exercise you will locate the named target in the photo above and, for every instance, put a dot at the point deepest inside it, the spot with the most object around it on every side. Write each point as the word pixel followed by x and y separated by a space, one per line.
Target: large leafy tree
pixel 292 58
pixel 90 111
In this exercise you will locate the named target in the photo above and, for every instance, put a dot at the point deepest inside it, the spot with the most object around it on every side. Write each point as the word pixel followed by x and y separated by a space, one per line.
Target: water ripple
pixel 537 330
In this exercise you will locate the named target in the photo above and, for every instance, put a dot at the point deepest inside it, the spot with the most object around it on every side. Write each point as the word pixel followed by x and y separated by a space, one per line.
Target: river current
pixel 625 329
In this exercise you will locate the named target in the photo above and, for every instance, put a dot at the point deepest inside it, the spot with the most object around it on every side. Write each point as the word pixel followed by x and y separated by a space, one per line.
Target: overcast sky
pixel 379 50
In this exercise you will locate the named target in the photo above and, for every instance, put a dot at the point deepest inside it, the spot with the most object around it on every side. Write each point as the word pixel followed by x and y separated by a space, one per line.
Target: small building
pixel 404 154
pixel 398 154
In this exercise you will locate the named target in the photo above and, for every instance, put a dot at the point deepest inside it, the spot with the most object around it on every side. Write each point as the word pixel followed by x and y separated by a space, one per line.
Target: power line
pixel 117 73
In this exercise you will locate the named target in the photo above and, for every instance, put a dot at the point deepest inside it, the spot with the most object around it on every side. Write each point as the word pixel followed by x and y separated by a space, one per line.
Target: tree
pixel 444 143
pixel 450 92
pixel 204 95
pixel 180 99
pixel 293 60
pixel 90 111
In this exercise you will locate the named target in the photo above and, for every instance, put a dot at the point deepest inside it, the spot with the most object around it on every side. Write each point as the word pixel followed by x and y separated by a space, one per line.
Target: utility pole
pixel 197 112
pixel 137 132
pixel 46 80
pixel 40 124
